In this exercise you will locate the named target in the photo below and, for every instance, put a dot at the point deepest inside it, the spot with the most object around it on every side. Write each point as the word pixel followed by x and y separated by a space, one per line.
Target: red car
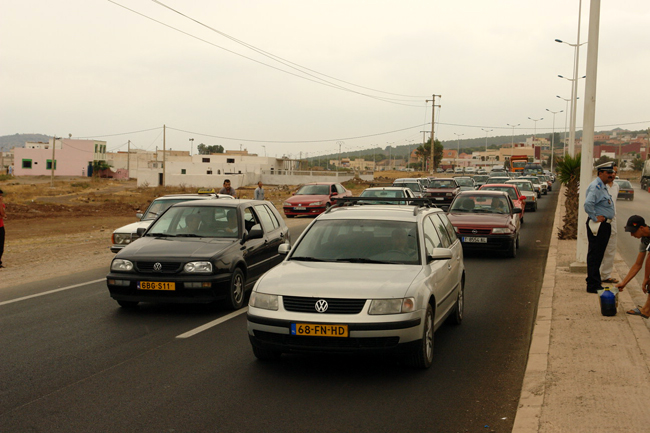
pixel 486 220
pixel 518 199
pixel 314 198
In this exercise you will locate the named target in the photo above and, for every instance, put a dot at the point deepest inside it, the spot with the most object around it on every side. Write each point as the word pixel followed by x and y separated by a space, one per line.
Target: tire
pixel 422 356
pixel 456 317
pixel 128 304
pixel 266 354
pixel 237 290
pixel 535 207
pixel 290 216
pixel 512 250
pixel 631 198
pixel 517 242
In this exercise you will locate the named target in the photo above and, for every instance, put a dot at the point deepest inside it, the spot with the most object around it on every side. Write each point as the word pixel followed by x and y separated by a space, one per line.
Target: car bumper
pixel 124 287
pixel 625 195
pixel 308 210
pixel 373 336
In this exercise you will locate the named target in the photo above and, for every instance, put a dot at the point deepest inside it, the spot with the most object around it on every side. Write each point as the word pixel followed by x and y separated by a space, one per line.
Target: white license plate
pixel 439 198
pixel 299 208
pixel 474 240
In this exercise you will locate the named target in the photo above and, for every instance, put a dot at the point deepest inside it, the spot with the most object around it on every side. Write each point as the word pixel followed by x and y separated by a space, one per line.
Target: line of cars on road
pixel 378 273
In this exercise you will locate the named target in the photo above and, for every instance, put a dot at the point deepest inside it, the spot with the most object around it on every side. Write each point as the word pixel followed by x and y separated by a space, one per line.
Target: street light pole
pixel 458 154
pixel 486 135
pixel 512 143
pixel 535 133
pixel 553 137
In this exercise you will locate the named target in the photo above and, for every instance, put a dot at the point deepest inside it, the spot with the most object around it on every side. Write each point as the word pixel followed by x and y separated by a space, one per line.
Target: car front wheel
pixel 512 250
pixel 422 356
pixel 128 304
pixel 236 293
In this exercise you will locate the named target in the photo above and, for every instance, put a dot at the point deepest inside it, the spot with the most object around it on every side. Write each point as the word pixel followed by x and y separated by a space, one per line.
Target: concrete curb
pixel 533 389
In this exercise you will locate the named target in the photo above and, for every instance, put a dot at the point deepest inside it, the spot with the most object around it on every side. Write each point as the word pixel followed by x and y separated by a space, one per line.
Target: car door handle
pixel 449 266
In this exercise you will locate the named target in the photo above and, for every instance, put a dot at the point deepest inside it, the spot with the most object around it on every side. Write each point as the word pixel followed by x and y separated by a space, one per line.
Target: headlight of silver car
pixel 121 265
pixel 264 301
pixel 198 267
pixel 391 306
pixel 121 238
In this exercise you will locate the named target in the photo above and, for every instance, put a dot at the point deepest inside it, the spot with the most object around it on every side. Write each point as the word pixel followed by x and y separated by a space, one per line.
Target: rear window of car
pixel 159 206
pixel 624 184
pixel 510 191
pixel 383 193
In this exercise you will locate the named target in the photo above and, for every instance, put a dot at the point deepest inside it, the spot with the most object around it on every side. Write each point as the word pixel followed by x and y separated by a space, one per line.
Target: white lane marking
pixel 51 291
pixel 213 323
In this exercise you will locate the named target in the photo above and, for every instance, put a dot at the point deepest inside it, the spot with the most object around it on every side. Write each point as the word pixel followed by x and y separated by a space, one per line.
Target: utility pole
pixel 164 151
pixel 424 141
pixel 433 110
pixel 52 166
pixel 128 161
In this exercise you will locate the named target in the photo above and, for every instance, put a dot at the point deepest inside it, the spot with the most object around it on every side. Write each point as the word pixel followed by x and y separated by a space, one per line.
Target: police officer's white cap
pixel 607 166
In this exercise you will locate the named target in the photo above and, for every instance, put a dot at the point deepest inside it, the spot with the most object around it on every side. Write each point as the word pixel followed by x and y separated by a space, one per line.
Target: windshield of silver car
pixel 360 241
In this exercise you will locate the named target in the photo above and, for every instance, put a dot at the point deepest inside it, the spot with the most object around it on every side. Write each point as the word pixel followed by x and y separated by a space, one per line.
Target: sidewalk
pixel 586 372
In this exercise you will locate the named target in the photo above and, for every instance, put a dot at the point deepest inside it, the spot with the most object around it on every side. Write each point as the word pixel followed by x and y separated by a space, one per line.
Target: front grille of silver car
pixel 165 268
pixel 334 306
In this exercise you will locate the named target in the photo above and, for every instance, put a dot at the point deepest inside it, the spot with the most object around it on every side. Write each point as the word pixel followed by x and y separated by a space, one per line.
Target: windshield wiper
pixel 161 235
pixel 360 260
pixel 310 259
pixel 188 235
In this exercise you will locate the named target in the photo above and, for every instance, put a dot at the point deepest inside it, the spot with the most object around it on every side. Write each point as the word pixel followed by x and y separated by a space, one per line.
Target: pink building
pixel 71 157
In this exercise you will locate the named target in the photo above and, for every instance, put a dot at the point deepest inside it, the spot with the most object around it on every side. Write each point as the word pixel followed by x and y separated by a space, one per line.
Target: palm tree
pixel 568 170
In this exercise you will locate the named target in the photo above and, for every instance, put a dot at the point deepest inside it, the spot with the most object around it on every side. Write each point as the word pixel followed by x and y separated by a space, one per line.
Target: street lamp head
pixel 559 40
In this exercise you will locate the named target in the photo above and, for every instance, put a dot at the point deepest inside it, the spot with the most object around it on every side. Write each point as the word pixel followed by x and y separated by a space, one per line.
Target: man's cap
pixel 633 223
pixel 607 166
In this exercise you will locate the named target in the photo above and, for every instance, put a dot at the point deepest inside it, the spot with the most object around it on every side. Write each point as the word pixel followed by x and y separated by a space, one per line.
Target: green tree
pixel 424 153
pixel 603 159
pixel 568 170
pixel 637 164
pixel 209 149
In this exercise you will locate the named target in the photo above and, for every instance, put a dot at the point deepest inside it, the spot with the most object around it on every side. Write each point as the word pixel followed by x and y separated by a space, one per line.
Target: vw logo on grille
pixel 157 267
pixel 321 306
pixel 474 231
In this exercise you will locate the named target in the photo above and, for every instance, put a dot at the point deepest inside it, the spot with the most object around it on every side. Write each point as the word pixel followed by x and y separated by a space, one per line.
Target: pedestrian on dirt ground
pixel 227 189
pixel 607 265
pixel 637 227
pixel 600 209
pixel 259 192
pixel 3 215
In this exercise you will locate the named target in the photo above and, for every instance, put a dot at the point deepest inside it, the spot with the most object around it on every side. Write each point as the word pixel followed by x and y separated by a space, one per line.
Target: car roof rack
pixel 419 203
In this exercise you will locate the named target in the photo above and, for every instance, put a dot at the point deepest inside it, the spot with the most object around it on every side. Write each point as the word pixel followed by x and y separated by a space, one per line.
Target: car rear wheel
pixel 535 207
pixel 128 304
pixel 236 293
pixel 422 356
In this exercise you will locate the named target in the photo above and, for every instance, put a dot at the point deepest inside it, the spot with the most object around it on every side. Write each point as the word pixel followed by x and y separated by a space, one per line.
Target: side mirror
pixel 439 254
pixel 139 215
pixel 255 233
pixel 516 210
pixel 522 198
pixel 335 193
pixel 140 231
pixel 284 249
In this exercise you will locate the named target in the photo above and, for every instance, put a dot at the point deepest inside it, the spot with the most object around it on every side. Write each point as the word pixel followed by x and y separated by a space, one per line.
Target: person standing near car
pixel 637 227
pixel 259 192
pixel 3 215
pixel 600 210
pixel 607 266
pixel 227 189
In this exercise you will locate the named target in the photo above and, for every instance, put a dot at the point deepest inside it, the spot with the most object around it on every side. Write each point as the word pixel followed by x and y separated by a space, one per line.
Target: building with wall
pixel 71 157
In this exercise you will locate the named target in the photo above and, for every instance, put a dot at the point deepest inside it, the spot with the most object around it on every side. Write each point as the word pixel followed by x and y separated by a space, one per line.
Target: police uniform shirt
pixel 598 201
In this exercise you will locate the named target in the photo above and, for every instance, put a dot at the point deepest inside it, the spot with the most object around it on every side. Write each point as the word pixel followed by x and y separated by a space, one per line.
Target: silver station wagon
pixel 376 278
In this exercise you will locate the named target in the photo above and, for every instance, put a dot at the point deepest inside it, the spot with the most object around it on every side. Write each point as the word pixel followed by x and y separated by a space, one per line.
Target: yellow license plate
pixel 156 285
pixel 319 330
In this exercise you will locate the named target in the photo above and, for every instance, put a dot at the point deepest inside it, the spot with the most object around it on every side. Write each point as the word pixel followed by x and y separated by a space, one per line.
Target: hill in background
pixel 8 142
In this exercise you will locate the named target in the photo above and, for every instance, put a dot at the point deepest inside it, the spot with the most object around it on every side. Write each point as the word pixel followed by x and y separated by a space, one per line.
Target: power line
pixel 321 82
pixel 277 58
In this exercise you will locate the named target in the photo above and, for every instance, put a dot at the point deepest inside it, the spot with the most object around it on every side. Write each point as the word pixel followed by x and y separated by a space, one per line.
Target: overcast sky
pixel 92 68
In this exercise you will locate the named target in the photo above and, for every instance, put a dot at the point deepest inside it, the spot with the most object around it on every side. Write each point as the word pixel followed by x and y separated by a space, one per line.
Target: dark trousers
pixel 595 254
pixel 2 242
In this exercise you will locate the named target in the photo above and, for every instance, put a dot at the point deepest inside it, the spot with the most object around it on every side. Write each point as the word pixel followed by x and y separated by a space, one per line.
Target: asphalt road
pixel 73 361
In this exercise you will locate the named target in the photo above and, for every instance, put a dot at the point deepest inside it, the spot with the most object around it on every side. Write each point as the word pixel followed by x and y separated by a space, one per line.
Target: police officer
pixel 599 206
